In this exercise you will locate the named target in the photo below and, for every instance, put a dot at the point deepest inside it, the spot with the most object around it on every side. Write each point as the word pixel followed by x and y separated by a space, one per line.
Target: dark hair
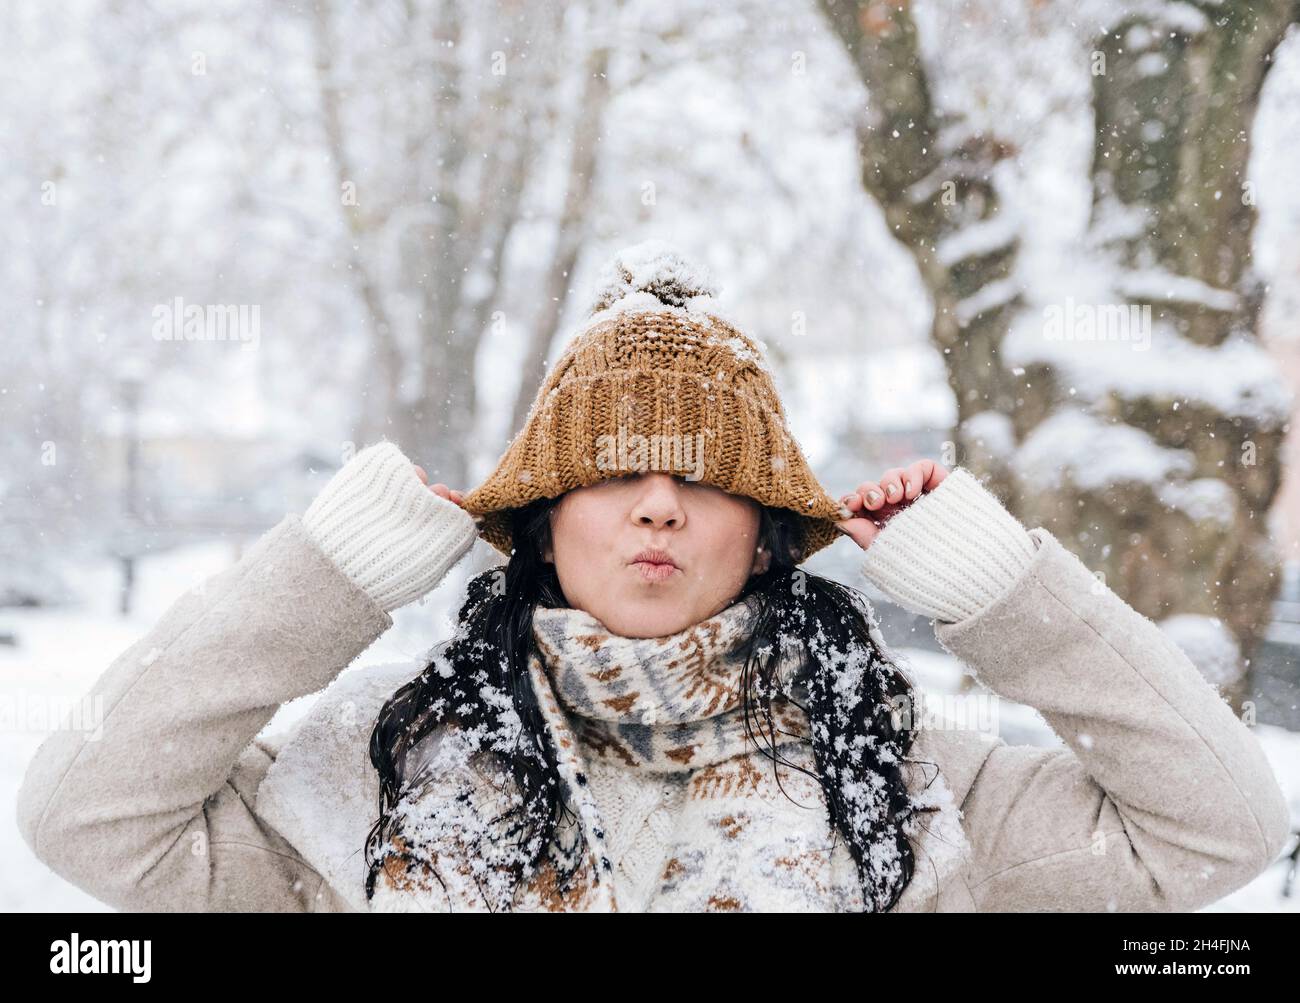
pixel 852 693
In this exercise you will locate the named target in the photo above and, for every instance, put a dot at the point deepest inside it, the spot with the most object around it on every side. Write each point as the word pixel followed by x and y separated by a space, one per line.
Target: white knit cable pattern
pixel 385 529
pixel 951 552
pixel 639 811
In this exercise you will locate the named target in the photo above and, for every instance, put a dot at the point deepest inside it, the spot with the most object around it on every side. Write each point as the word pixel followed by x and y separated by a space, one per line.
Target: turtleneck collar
pixel 663 704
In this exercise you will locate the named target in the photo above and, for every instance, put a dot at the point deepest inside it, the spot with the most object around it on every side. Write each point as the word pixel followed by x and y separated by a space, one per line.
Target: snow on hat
pixel 657 379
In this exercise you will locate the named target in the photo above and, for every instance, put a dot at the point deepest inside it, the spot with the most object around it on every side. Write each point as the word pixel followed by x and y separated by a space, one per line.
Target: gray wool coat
pixel 1161 799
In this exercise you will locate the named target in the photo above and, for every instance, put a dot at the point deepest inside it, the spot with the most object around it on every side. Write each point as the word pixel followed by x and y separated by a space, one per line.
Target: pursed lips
pixel 655 565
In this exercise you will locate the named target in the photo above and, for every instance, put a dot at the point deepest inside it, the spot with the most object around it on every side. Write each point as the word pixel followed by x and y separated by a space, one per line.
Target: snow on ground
pixel 60 653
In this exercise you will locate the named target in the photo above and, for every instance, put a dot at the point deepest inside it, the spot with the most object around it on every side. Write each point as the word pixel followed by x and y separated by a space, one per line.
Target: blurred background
pixel 1055 242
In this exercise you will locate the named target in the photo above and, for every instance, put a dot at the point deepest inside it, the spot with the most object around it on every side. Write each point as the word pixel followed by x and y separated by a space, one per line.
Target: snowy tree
pixel 1154 450
pixel 1124 403
pixel 430 208
pixel 939 183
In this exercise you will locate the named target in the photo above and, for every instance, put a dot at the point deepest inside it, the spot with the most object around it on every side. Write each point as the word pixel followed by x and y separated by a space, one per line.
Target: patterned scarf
pixel 664 704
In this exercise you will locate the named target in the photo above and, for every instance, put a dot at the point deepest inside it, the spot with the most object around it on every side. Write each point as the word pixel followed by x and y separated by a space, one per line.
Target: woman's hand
pixel 874 503
pixel 440 489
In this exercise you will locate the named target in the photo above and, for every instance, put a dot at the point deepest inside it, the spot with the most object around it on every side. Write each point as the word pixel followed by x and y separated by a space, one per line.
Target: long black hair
pixel 850 690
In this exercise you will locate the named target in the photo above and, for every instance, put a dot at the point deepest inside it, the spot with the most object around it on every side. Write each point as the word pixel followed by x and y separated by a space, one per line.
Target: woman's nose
pixel 658 503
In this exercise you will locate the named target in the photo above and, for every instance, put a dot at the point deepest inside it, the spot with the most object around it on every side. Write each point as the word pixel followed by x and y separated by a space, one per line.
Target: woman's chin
pixel 652 617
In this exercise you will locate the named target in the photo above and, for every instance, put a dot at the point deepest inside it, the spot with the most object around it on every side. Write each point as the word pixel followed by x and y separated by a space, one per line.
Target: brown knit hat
pixel 657 379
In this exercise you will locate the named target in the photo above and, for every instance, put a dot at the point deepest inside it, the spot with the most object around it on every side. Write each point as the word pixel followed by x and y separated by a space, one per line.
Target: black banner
pixel 238 951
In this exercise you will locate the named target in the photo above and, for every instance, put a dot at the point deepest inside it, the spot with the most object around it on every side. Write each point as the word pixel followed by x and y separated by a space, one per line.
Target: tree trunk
pixel 935 182
pixel 570 232
pixel 1172 225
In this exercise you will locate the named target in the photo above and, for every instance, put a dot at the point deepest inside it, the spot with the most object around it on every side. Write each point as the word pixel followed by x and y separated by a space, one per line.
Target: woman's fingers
pixel 867 495
pixel 934 476
pixel 862 528
pixel 915 478
pixel 873 503
pixel 891 482
pixel 442 491
pixel 900 484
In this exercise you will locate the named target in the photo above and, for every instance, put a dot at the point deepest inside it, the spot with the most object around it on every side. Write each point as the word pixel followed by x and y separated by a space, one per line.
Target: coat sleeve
pixel 153 809
pixel 1161 799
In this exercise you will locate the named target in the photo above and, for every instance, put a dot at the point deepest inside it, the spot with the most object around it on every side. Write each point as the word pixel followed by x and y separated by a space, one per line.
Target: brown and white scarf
pixel 662 704
pixel 668 704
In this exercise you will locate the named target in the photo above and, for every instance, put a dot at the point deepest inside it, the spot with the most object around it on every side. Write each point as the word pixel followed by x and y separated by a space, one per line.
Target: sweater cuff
pixel 951 552
pixel 385 529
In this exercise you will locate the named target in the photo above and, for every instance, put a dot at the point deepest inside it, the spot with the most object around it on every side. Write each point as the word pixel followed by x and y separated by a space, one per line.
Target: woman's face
pixel 599 532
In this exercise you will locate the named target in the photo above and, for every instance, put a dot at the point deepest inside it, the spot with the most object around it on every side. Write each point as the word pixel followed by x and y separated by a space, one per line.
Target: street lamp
pixel 130 383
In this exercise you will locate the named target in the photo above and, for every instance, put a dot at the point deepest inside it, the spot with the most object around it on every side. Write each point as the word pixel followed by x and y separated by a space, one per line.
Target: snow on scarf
pixel 666 704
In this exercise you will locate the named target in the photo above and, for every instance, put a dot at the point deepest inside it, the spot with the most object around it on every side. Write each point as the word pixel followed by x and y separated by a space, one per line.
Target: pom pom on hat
pixel 655 267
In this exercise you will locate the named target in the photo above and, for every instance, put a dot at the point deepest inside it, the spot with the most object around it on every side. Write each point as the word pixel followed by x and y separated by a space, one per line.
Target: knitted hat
pixel 657 380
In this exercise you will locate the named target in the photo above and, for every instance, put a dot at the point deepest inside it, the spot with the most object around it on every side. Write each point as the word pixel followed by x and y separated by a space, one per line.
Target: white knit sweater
pixel 947 555
pixel 386 529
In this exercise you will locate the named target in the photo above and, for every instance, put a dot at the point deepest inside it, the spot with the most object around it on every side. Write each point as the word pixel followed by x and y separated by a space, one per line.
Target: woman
pixel 651 706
